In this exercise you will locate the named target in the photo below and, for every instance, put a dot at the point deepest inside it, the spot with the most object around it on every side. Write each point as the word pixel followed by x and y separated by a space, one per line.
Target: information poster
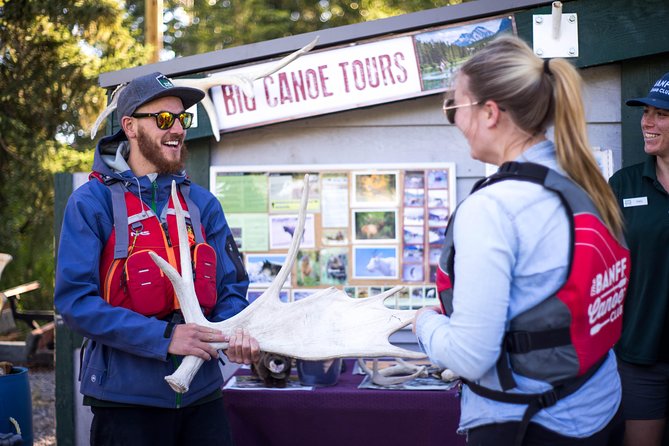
pixel 366 231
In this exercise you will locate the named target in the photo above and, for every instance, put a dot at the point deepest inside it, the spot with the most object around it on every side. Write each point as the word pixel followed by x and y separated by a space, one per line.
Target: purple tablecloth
pixel 343 415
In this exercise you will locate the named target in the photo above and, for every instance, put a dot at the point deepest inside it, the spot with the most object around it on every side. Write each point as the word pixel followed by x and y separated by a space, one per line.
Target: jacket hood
pixel 110 156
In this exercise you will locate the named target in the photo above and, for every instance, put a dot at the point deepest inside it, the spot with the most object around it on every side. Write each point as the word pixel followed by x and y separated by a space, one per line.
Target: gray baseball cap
pixel 658 96
pixel 152 86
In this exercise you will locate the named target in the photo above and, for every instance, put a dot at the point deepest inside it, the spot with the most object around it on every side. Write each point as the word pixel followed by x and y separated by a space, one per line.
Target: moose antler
pixel 4 260
pixel 399 373
pixel 244 81
pixel 328 324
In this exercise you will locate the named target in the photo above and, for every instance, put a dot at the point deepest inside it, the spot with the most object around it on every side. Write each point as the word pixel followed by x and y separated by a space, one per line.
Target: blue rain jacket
pixel 126 358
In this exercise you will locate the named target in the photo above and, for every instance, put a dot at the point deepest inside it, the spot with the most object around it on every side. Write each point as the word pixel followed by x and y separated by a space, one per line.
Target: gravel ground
pixel 43 390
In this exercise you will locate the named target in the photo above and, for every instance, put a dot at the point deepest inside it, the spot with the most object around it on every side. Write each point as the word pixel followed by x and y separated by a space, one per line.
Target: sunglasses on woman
pixel 165 120
pixel 450 108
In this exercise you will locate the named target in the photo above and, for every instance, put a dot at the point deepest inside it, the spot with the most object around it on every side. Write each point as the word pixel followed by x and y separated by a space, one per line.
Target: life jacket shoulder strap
pixel 120 212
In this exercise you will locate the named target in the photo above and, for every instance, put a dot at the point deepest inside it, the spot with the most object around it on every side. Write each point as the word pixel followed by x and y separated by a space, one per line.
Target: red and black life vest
pixel 129 278
pixel 564 339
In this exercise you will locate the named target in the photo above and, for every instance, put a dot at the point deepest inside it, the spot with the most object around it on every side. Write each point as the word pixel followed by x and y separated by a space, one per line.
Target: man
pixel 108 290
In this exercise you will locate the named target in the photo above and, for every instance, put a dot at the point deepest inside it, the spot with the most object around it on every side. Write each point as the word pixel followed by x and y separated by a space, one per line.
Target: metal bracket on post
pixel 555 34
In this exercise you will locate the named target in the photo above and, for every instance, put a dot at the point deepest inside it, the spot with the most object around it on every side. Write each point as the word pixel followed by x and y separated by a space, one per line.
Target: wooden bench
pixel 30 317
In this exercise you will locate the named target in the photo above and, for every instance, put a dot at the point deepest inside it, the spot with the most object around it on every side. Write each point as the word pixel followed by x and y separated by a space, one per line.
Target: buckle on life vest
pixel 137 227
pixel 518 342
pixel 548 399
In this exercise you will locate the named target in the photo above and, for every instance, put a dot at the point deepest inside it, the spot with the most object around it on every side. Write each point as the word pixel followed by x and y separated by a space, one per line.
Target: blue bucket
pixel 16 402
pixel 319 373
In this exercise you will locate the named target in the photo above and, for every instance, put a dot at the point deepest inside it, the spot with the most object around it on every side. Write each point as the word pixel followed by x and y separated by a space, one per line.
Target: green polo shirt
pixel 645 207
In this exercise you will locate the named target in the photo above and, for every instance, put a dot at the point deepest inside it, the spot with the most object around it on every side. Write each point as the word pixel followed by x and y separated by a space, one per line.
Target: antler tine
pixel 243 81
pixel 183 284
pixel 285 61
pixel 287 266
pixel 107 111
pixel 397 374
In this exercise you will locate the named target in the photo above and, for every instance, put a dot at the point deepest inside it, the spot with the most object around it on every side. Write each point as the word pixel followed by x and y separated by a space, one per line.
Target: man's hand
pixel 243 348
pixel 193 339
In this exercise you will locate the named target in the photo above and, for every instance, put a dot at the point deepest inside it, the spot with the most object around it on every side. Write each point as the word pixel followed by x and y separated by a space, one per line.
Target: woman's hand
pixel 243 348
pixel 435 309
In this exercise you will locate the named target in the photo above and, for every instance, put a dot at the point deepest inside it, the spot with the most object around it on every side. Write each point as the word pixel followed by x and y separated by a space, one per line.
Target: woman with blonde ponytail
pixel 533 274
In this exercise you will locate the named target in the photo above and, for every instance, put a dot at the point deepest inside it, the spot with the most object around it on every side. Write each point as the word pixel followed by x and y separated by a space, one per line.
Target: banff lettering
pixel 313 84
pixel 609 288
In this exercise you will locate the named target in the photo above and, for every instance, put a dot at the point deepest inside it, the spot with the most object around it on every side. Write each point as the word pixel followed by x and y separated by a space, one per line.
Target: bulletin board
pixel 367 230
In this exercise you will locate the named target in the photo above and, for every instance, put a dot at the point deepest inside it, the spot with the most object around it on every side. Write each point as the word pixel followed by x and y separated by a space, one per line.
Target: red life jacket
pixel 564 339
pixel 129 277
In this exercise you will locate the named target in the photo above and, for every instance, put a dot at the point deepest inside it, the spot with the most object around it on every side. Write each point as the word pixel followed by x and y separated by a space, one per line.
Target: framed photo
pixel 417 293
pixel 374 189
pixel 375 262
pixel 431 296
pixel 417 298
pixel 374 225
pixel 253 294
pixel 334 270
pixel 414 179
pixel 362 292
pixel 285 192
pixel 436 236
pixel 438 216
pixel 413 235
pixel 303 294
pixel 414 197
pixel 308 268
pixel 282 227
pixel 437 179
pixel 413 253
pixel 434 255
pixel 438 198
pixel 414 216
pixel 334 236
pixel 263 268
pixel 413 272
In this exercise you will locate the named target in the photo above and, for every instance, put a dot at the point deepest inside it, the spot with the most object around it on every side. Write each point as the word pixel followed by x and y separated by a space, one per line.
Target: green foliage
pixel 210 25
pixel 51 52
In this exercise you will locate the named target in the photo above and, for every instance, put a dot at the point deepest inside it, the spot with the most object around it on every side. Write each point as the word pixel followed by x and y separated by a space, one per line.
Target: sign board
pixel 354 76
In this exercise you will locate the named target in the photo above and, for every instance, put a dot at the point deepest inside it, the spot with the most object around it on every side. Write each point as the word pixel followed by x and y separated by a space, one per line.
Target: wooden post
pixel 153 18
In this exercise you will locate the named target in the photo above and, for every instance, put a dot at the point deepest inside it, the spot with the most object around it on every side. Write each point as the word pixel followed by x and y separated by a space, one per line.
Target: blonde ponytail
pixel 537 93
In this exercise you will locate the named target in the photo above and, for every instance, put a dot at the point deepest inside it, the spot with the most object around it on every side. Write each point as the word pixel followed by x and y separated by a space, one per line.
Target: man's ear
pixel 129 126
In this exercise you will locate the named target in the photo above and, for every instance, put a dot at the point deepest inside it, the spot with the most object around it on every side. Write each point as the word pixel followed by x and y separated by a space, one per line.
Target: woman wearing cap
pixel 643 350
pixel 508 254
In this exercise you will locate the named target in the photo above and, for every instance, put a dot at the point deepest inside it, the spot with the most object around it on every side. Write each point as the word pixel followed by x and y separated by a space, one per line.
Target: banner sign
pixel 353 76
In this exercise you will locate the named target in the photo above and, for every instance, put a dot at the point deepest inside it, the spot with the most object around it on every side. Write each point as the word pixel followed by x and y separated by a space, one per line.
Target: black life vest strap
pixel 527 341
pixel 121 216
pixel 535 401
pixel 535 173
pixel 504 373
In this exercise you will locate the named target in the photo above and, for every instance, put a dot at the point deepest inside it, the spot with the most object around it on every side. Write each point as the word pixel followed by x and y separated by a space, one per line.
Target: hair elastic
pixel 547 69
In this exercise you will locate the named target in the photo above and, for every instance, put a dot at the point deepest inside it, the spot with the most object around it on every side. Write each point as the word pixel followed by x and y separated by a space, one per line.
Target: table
pixel 343 415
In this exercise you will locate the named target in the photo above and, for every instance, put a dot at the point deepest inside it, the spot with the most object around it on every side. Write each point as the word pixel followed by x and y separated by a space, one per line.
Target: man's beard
pixel 153 153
